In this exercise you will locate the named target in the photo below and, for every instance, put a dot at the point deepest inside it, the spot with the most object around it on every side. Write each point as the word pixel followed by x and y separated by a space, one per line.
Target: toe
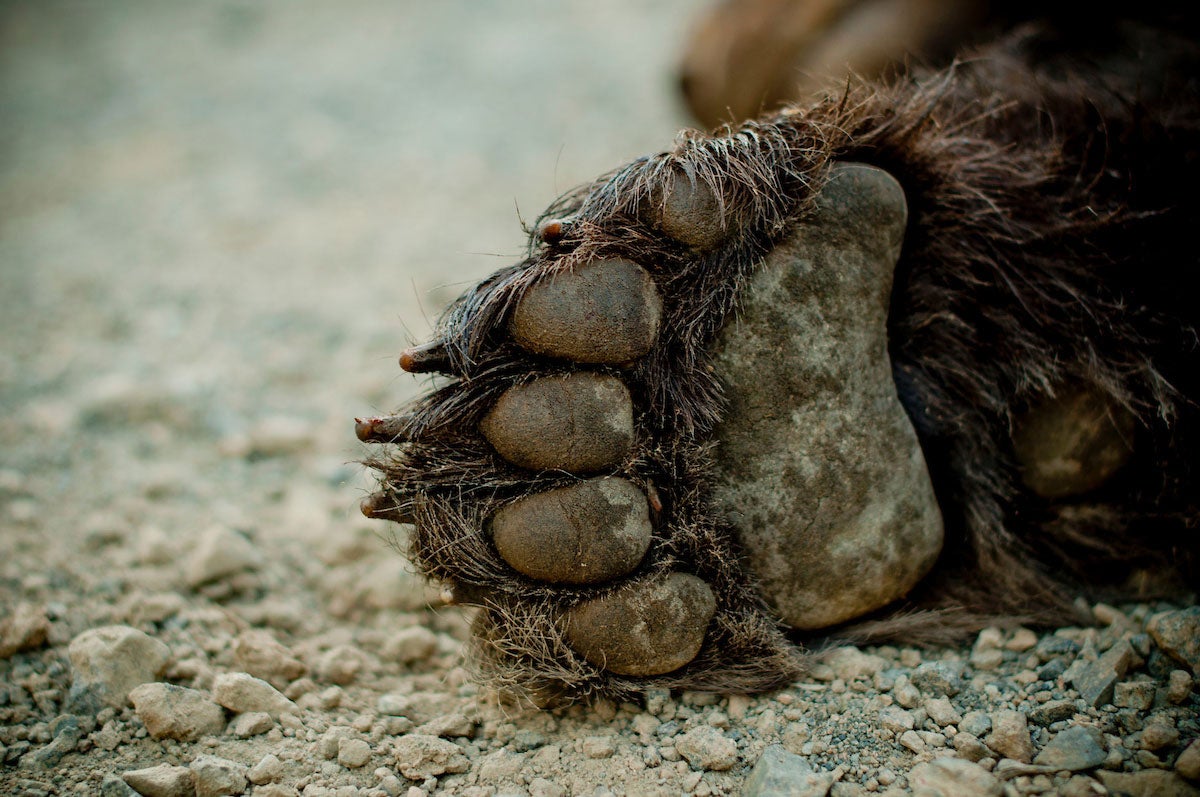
pixel 606 311
pixel 580 423
pixel 646 628
pixel 691 212
pixel 588 533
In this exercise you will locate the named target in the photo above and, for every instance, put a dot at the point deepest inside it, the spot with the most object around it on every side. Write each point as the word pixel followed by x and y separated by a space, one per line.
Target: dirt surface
pixel 219 224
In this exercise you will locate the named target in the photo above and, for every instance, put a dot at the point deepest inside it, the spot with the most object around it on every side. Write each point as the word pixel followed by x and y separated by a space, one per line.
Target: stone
pixel 1179 686
pixel 163 780
pixel 217 777
pixel 420 707
pixel 67 734
pixel 254 723
pixel 587 533
pixel 540 787
pixel 849 663
pixel 647 627
pixel 599 746
pixel 220 552
pixel 1096 680
pixel 114 786
pixel 108 662
pixel 258 653
pixel 1147 783
pixel 410 645
pixel 447 725
pixel 353 753
pixel 953 777
pixel 895 719
pixel 1010 736
pixel 1051 712
pixel 1022 640
pixel 605 311
pixel 176 712
pixel 1188 763
pixel 707 748
pixel 1134 694
pixel 342 664
pixel 526 427
pixel 268 768
pixel 939 678
pixel 942 711
pixel 912 740
pixel 969 746
pixel 502 764
pixel 1159 735
pixel 1178 635
pixel 24 628
pixel 779 773
pixel 419 756
pixel 817 460
pixel 1078 747
pixel 242 693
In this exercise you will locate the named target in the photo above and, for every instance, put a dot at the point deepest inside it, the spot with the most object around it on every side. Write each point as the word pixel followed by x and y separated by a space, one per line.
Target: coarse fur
pixel 1052 202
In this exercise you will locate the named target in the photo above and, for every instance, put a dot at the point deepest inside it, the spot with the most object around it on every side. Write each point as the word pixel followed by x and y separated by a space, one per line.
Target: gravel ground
pixel 219 223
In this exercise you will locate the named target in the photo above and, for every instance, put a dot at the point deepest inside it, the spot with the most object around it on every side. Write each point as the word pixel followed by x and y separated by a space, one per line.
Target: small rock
pixel 1134 694
pixel 941 711
pixel 779 773
pixel 254 723
pixel 1096 680
pixel 502 764
pixel 161 781
pixel 1022 640
pixel 1010 736
pixel 969 747
pixel 24 628
pixel 176 712
pixel 1075 748
pixel 261 655
pixel 1147 783
pixel 1188 763
pixel 447 725
pixel 540 787
pixel 411 645
pixel 1051 712
pixel 217 777
pixel 1054 647
pixel 599 746
pixel 108 662
pixel 976 723
pixel 420 707
pixel 67 734
pixel 1082 786
pixel 353 753
pixel 331 740
pixel 912 741
pixel 1178 635
pixel 895 719
pixel 952 777
pixel 939 678
pixel 242 693
pixel 1179 686
pixel 906 695
pixel 707 748
pixel 341 665
pixel 850 663
pixel 419 756
pixel 1158 735
pixel 220 551
pixel 113 786
pixel 268 768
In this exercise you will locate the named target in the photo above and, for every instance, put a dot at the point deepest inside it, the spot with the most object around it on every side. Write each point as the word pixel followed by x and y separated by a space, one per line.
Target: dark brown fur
pixel 1052 214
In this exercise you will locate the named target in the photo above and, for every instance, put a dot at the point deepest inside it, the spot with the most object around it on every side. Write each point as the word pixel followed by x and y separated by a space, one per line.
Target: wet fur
pixel 1052 215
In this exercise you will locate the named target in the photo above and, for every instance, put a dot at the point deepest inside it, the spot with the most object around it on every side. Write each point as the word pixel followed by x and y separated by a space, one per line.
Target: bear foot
pixel 674 434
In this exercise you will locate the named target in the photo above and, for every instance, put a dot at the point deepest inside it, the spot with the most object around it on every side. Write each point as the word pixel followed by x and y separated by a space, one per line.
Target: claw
pixel 427 358
pixel 390 429
pixel 379 506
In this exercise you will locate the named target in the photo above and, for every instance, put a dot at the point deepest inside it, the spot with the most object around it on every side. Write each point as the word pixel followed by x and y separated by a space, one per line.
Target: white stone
pixel 419 756
pixel 241 693
pixel 109 661
pixel 217 777
pixel 220 551
pixel 707 748
pixel 176 712
pixel 953 777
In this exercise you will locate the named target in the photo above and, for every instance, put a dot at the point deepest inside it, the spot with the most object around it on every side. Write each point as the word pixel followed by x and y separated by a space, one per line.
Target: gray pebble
pixel 108 662
pixel 1134 694
pixel 605 311
pixel 1051 712
pixel 1178 635
pixel 420 756
pixel 1075 748
pixel 588 533
pixel 779 773
pixel 1097 679
pixel 939 678
pixel 114 786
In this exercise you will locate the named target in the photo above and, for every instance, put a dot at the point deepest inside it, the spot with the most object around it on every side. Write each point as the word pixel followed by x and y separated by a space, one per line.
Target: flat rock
pixel 1096 680
pixel 1075 748
pixel 220 552
pixel 217 777
pixel 419 756
pixel 241 692
pixel 176 712
pixel 1178 635
pixel 648 627
pixel 705 747
pixel 108 662
pixel 605 311
pixel 953 777
pixel 579 423
pixel 818 466
pixel 588 533
pixel 161 781
pixel 779 773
